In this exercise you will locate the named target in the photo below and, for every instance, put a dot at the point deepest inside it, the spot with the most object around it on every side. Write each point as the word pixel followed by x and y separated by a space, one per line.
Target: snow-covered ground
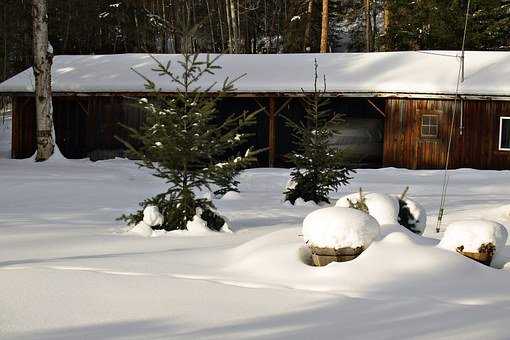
pixel 68 270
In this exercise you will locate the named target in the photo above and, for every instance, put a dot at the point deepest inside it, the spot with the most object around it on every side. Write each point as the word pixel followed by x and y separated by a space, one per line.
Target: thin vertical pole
pixel 272 131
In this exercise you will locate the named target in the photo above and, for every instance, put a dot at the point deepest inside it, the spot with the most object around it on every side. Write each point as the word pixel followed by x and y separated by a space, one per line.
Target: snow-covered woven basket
pixel 338 234
pixel 479 240
pixel 324 256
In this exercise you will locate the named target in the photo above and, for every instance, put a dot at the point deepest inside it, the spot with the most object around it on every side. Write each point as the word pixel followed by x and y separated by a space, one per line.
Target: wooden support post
pixel 14 127
pixel 272 131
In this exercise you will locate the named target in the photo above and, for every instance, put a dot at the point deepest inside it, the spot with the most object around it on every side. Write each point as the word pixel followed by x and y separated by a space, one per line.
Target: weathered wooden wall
pixel 23 127
pixel 475 145
pixel 87 126
pixel 84 126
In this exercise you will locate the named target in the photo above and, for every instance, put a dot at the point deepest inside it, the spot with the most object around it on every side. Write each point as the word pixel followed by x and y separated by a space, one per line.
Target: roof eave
pixel 400 95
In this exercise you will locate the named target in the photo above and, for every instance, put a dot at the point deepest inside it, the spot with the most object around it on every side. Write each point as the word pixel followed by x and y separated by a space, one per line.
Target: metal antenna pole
pixel 462 58
pixel 460 79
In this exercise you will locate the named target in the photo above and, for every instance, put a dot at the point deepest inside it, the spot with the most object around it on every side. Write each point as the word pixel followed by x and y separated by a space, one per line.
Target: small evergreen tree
pixel 183 142
pixel 319 165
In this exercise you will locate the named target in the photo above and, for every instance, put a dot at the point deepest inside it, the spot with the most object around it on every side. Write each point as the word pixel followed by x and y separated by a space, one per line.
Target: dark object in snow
pixel 405 215
pixel 484 255
pixel 324 256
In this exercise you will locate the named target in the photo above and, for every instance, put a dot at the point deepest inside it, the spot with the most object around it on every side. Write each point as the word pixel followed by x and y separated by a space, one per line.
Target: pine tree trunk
pixel 42 74
pixel 308 28
pixel 325 26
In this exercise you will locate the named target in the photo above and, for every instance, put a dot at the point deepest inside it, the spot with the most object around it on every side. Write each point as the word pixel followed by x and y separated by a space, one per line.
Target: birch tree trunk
pixel 229 26
pixel 308 27
pixel 234 25
pixel 42 73
pixel 325 26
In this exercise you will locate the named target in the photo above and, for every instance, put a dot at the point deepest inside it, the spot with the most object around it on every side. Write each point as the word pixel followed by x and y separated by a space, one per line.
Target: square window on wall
pixel 430 126
pixel 504 133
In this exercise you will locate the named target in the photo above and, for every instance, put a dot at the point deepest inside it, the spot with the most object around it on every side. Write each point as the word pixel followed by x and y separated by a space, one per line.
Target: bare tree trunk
pixel 221 27
pixel 325 26
pixel 42 73
pixel 211 27
pixel 368 26
pixel 234 24
pixel 386 15
pixel 308 28
pixel 229 26
pixel 386 12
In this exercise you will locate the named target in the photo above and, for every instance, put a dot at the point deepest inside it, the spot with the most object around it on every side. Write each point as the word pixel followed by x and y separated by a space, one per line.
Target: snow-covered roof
pixel 412 72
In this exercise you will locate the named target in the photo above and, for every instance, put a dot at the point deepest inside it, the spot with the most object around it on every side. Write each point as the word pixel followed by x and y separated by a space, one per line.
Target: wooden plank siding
pixel 84 126
pixel 87 126
pixel 474 141
pixel 23 127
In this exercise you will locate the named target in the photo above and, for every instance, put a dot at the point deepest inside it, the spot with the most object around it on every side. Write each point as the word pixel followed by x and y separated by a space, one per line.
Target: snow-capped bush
pixel 412 215
pixel 384 208
pixel 474 236
pixel 152 217
pixel 198 224
pixel 388 209
pixel 337 227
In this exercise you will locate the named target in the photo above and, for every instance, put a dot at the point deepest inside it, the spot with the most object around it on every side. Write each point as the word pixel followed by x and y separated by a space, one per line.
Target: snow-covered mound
pixel 384 208
pixel 142 229
pixel 231 195
pixel 152 217
pixel 198 226
pixel 472 234
pixel 301 203
pixel 337 227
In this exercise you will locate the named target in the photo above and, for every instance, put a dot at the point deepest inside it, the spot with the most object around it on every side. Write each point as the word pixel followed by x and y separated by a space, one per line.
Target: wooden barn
pixel 400 107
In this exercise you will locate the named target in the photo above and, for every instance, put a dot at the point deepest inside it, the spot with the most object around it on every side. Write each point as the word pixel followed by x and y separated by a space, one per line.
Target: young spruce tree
pixel 319 165
pixel 184 142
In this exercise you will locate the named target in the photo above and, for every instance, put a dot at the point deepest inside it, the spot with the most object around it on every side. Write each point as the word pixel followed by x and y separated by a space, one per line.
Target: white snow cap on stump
pixel 384 208
pixel 337 227
pixel 472 234
pixel 152 217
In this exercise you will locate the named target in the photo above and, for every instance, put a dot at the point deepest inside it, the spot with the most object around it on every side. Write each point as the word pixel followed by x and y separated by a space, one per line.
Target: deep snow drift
pixel 69 270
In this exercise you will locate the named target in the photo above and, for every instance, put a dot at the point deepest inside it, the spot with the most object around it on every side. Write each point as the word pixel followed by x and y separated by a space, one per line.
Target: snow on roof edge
pixel 380 73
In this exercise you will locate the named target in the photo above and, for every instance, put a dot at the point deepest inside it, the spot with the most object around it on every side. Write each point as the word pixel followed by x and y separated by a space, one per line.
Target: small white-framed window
pixel 504 133
pixel 430 126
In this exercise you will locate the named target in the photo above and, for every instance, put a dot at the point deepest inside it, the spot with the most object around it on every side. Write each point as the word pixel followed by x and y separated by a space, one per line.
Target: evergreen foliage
pixel 439 24
pixel 319 165
pixel 182 142
pixel 269 26
pixel 359 204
